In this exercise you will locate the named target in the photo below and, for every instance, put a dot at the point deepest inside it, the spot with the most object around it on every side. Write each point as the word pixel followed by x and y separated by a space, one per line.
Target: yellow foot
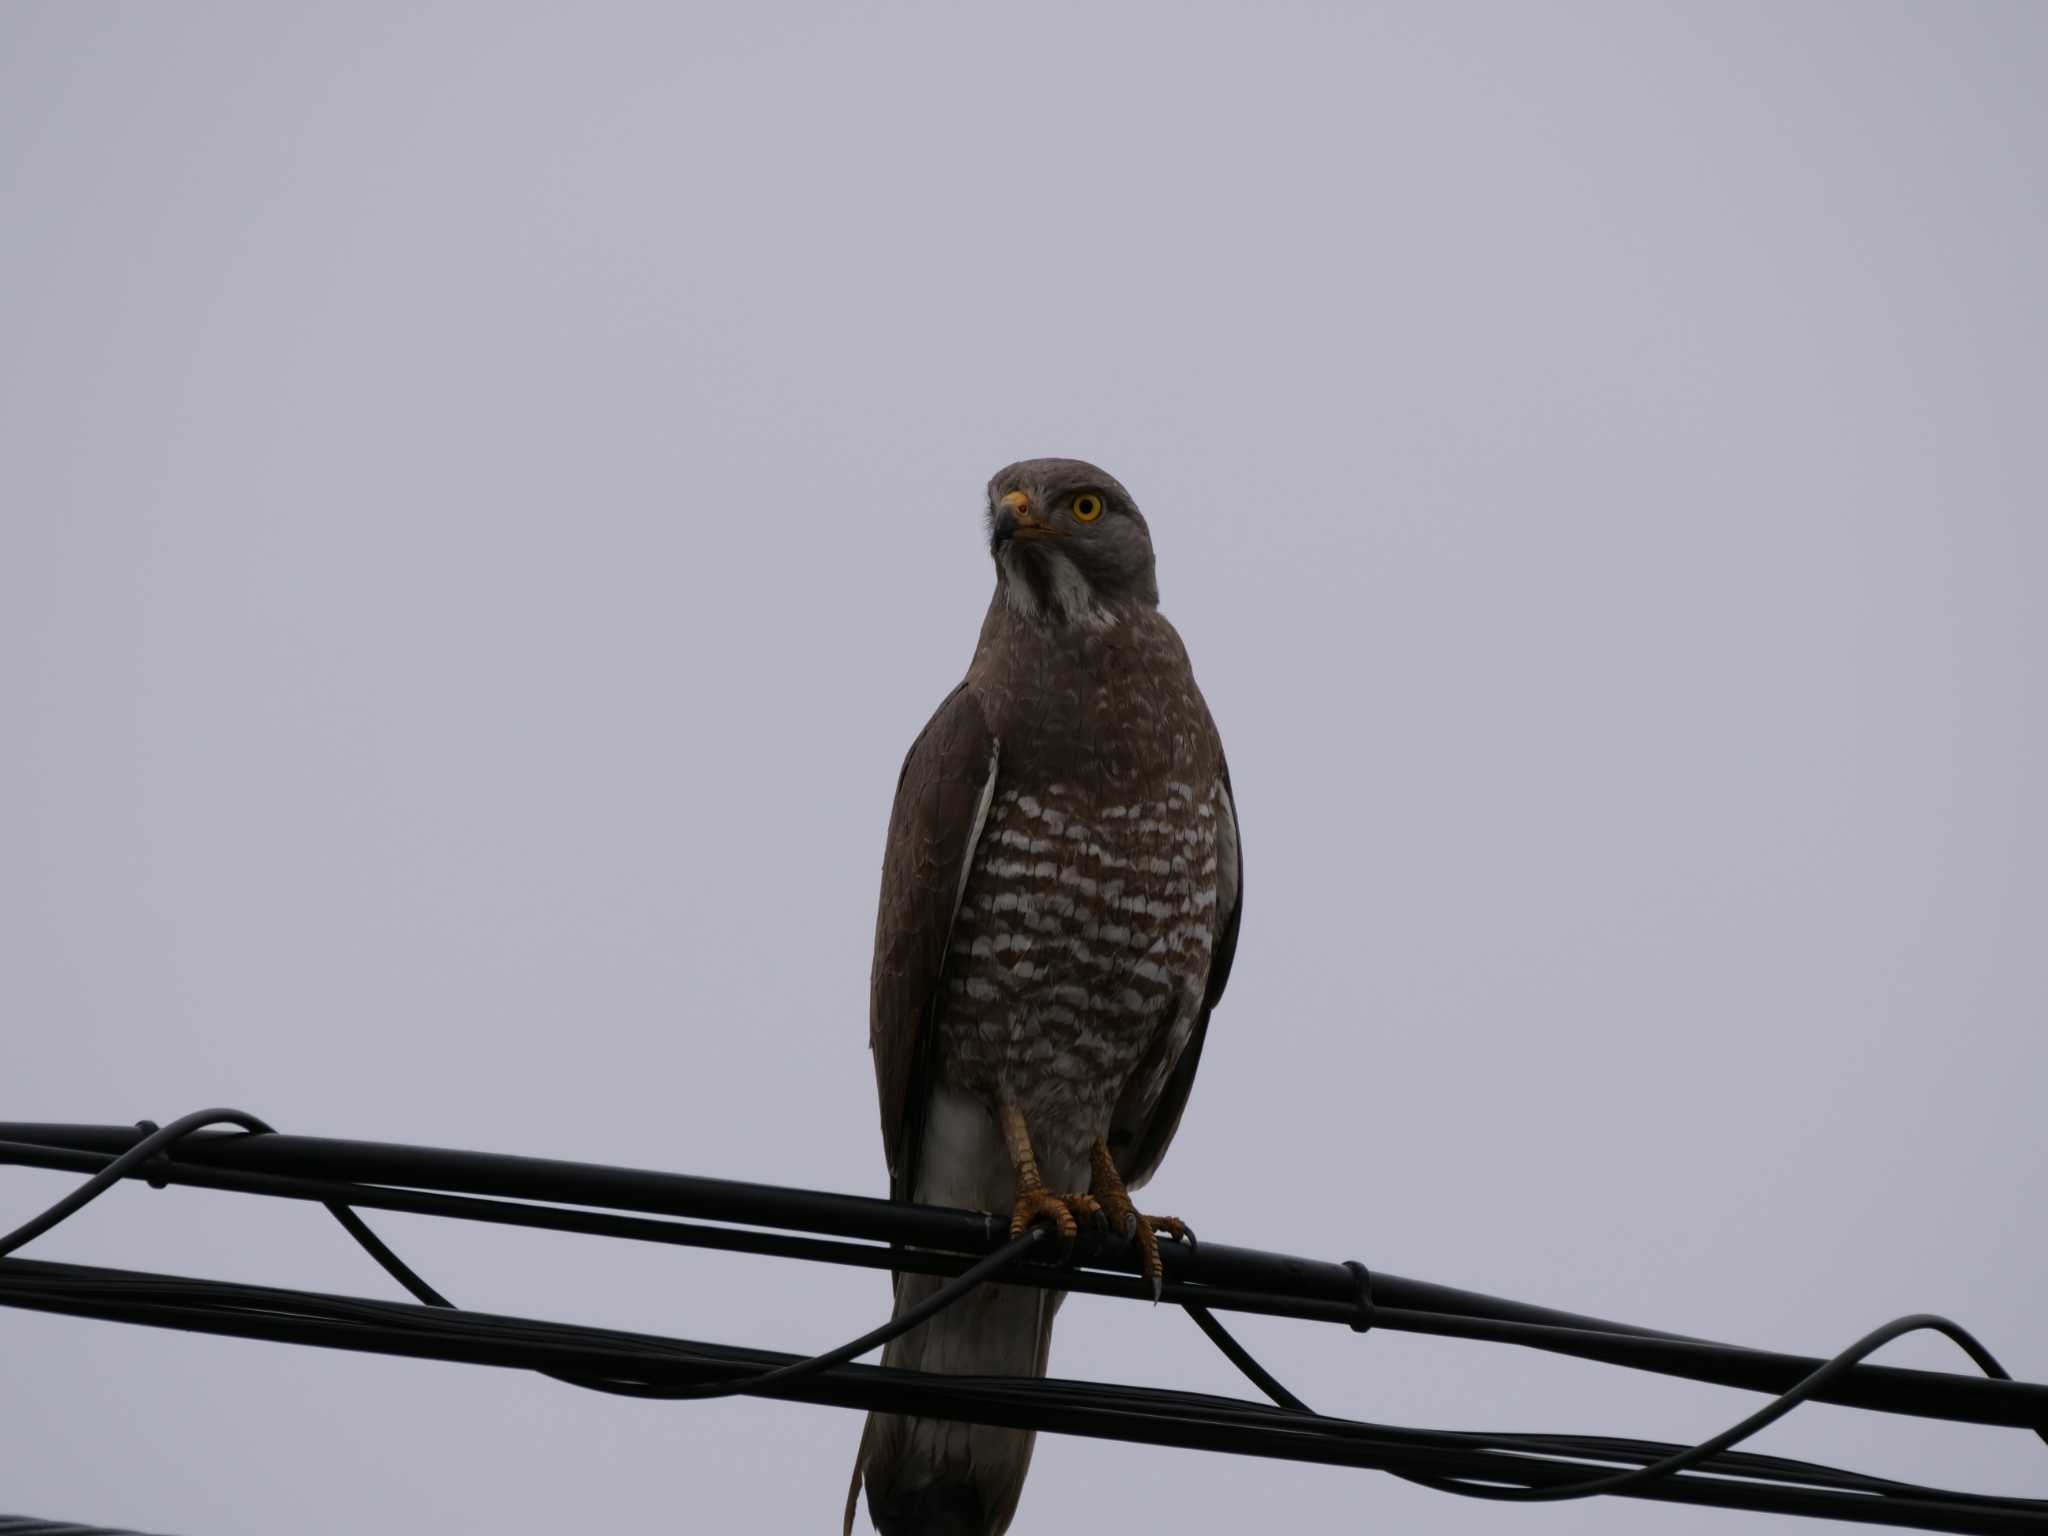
pixel 1127 1219
pixel 1061 1210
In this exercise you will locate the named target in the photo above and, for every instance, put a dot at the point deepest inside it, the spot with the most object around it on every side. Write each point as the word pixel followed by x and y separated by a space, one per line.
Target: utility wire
pixel 1648 1469
pixel 1149 1416
pixel 935 1241
pixel 156 1139
pixel 1511 1466
pixel 152 1141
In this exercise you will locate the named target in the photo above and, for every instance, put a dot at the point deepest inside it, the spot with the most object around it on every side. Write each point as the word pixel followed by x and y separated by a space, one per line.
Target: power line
pixel 1126 1413
pixel 847 1229
pixel 441 1182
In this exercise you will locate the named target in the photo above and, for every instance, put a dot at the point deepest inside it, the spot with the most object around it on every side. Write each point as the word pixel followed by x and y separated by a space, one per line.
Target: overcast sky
pixel 488 494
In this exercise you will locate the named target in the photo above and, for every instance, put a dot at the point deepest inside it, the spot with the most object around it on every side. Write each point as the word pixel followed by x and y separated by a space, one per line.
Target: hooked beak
pixel 1014 519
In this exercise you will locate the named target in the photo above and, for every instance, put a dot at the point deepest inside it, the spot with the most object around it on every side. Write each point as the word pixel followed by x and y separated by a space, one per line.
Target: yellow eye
pixel 1087 508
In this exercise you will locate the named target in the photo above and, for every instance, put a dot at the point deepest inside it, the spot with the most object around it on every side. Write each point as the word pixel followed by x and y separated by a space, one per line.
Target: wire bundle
pixel 971 1247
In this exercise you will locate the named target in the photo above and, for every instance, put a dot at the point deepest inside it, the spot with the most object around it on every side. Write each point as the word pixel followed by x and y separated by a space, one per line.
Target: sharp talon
pixel 1148 1253
pixel 1037 1206
pixel 1108 1188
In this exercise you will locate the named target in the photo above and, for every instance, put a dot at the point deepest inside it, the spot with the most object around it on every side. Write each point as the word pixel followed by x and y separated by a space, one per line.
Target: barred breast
pixel 1084 932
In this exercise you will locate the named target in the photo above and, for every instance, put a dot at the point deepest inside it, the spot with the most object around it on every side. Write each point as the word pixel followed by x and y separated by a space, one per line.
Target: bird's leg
pixel 1107 1185
pixel 1033 1198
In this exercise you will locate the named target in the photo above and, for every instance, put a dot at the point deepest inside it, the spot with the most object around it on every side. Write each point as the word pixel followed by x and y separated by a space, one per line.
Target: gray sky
pixel 490 493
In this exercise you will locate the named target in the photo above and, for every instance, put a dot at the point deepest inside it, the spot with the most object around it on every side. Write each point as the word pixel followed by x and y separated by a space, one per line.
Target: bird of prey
pixel 1059 907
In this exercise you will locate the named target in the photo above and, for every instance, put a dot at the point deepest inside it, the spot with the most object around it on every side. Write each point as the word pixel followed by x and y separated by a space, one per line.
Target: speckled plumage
pixel 1060 897
pixel 1081 950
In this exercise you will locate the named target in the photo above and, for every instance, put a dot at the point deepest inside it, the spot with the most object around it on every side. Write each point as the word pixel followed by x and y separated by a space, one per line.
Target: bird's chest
pixel 1083 933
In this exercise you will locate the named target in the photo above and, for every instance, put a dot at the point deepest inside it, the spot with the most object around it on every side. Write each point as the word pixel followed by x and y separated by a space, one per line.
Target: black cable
pixel 1655 1463
pixel 377 1249
pixel 1672 1460
pixel 158 1139
pixel 1191 1420
pixel 1770 1413
pixel 947 1294
pixel 896 1327
pixel 121 1297
pixel 122 1167
pixel 1218 1277
pixel 1241 1357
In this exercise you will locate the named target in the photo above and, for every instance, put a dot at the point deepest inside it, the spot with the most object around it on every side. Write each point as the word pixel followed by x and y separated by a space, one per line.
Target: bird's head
pixel 1068 541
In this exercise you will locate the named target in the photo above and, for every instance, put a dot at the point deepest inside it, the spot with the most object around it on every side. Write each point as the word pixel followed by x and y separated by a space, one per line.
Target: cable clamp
pixel 150 1128
pixel 1361 1317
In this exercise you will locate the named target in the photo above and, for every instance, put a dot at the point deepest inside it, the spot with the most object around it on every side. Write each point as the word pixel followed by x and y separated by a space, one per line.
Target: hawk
pixel 1060 898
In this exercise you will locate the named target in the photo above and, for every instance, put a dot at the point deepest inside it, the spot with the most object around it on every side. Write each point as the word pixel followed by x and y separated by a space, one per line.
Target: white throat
pixel 1072 598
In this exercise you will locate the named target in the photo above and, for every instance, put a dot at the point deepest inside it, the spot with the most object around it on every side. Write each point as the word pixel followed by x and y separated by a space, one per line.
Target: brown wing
pixel 942 799
pixel 1138 1138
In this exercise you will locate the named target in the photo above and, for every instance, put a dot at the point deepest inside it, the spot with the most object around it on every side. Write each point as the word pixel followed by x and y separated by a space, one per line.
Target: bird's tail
pixel 939 1477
